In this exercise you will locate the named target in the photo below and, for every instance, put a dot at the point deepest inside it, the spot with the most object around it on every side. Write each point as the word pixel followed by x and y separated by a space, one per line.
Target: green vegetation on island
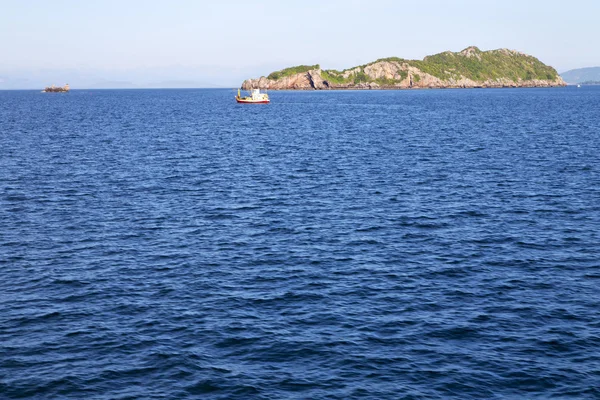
pixel 292 71
pixel 470 67
pixel 471 63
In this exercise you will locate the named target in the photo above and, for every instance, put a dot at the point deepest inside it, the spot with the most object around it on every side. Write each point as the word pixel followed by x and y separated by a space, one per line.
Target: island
pixel 57 89
pixel 469 68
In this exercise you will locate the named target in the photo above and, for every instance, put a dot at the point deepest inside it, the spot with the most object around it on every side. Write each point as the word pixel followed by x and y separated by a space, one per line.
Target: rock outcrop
pixel 470 68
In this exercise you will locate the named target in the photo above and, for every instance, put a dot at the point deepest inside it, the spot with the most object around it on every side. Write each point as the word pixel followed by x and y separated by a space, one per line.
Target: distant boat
pixel 56 89
pixel 256 97
pixel 578 85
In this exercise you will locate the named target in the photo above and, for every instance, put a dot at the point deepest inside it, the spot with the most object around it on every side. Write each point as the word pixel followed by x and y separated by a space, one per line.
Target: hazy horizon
pixel 145 44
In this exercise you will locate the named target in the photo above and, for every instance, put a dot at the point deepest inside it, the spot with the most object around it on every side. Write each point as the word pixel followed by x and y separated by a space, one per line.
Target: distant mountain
pixel 181 84
pixel 88 83
pixel 176 76
pixel 104 84
pixel 17 83
pixel 581 75
pixel 470 68
pixel 170 84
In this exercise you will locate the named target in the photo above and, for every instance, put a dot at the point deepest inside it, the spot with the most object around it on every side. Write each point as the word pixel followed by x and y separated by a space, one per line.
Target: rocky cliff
pixel 470 68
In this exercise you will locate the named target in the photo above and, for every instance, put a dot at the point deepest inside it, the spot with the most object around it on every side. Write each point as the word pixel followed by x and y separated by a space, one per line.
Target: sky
pixel 219 43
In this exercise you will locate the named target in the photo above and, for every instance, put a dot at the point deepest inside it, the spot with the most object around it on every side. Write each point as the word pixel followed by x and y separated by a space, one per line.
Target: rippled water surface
pixel 330 245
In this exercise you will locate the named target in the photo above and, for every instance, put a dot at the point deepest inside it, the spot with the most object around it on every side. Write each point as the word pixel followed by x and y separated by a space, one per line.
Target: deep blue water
pixel 435 244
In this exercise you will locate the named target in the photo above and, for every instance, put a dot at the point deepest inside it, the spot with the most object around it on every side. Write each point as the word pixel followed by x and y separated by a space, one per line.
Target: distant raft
pixel 256 97
pixel 56 89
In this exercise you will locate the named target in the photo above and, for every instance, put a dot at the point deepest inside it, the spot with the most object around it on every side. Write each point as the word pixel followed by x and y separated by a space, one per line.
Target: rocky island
pixel 56 89
pixel 470 68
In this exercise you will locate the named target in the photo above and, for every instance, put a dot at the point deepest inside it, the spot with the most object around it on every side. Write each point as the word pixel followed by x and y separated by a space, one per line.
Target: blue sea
pixel 426 244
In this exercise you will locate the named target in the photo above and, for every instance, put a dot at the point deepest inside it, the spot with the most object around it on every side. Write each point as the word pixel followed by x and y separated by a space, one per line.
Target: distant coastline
pixel 469 68
pixel 582 76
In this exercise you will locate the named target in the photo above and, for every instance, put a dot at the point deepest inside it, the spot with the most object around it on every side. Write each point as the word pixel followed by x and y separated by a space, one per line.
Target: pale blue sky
pixel 221 42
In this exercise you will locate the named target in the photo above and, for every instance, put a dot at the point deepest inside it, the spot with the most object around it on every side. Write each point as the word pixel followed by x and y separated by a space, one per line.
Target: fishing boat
pixel 256 97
